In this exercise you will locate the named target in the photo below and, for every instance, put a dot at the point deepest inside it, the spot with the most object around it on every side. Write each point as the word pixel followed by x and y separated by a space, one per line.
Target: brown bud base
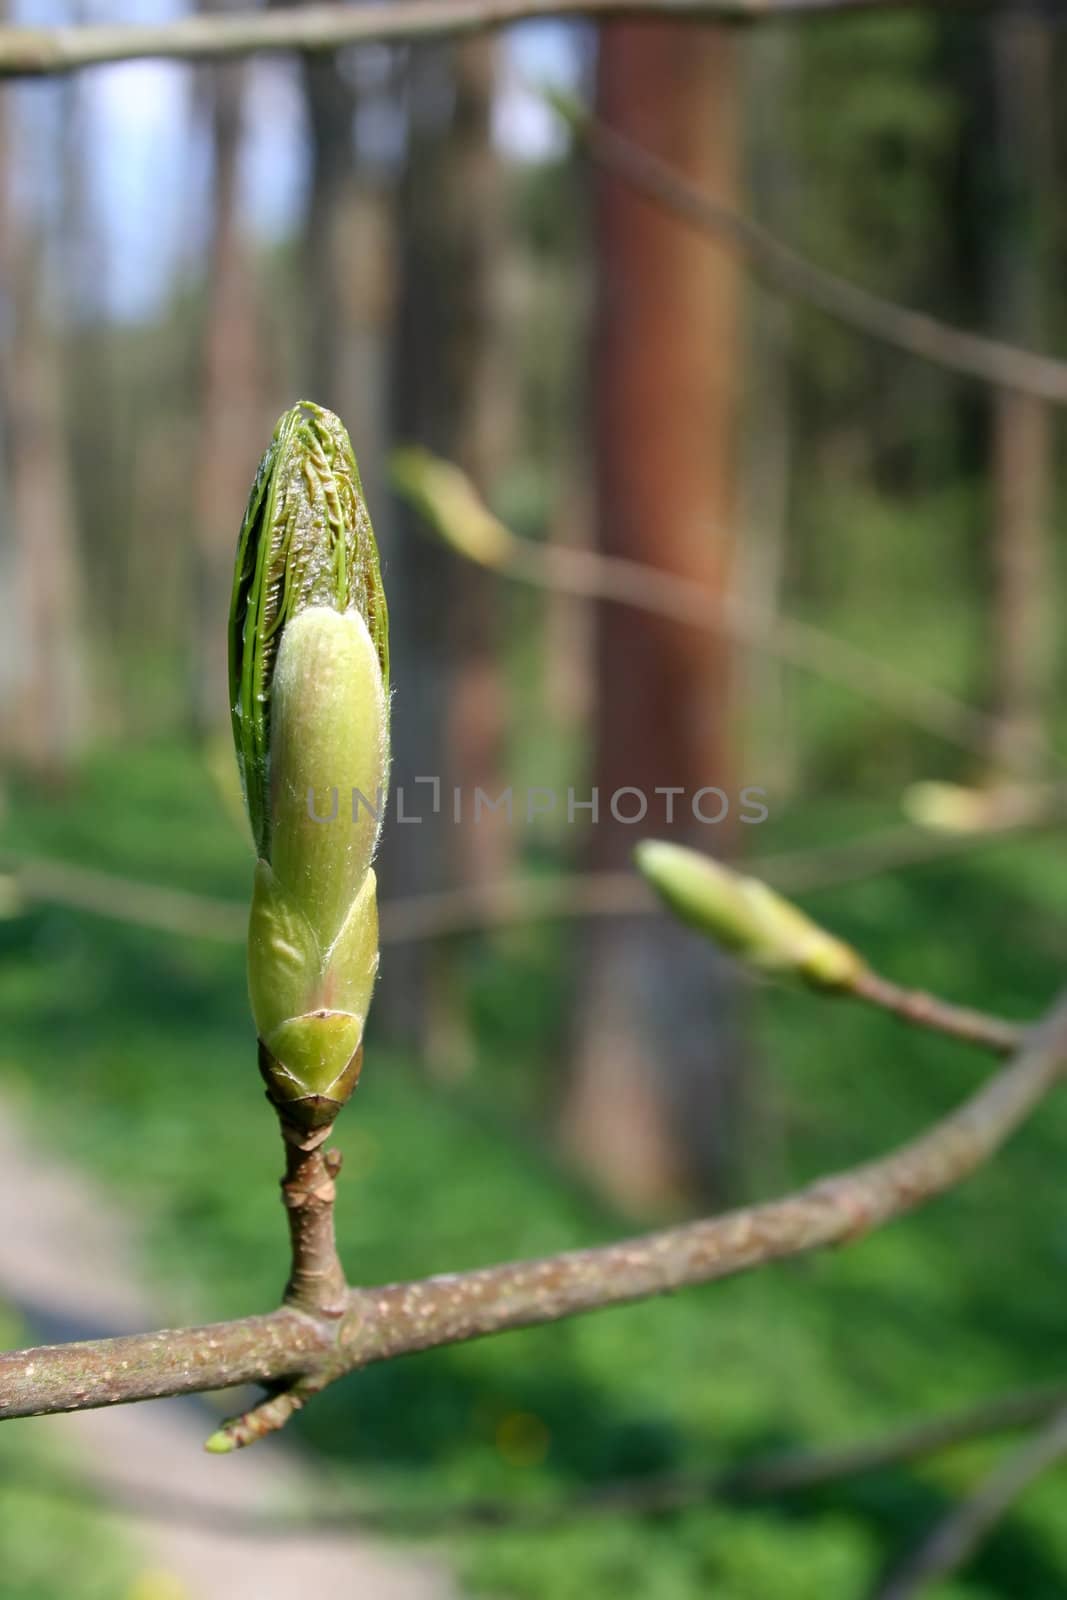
pixel 291 1100
pixel 317 1281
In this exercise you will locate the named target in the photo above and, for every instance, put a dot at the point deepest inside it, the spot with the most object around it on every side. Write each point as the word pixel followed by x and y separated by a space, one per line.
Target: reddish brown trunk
pixel 650 1109
pixel 666 404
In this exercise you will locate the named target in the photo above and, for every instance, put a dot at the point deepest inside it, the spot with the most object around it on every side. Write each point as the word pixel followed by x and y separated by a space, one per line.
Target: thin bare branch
pixel 591 575
pixel 382 1323
pixel 781 1473
pixel 513 902
pixel 142 905
pixel 796 1470
pixel 971 355
pixel 935 1015
pixel 953 1543
pixel 36 52
pixel 451 504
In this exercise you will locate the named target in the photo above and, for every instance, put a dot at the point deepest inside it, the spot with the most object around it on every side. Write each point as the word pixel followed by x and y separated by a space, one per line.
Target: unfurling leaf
pixel 309 668
pixel 746 917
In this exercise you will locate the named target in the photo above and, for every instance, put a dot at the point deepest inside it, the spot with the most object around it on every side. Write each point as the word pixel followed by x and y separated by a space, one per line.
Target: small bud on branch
pixel 747 917
pixel 451 504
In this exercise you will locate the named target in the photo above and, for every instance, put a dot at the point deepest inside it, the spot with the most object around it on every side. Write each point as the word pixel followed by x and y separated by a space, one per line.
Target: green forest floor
pixel 137 1047
pixel 54 1545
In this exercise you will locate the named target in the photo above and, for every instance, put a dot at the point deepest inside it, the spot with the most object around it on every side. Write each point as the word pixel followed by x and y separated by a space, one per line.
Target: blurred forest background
pixel 415 238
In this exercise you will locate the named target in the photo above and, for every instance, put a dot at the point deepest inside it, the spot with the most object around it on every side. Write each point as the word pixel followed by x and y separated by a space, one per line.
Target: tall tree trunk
pixel 766 456
pixel 348 272
pixel 43 676
pixel 652 1107
pixel 233 422
pixel 1021 443
pixel 453 393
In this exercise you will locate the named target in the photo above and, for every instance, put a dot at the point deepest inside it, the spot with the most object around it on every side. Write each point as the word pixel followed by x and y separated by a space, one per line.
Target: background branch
pixel 777 1473
pixel 589 574
pixel 35 52
pixel 954 1542
pixel 381 1323
pixel 972 355
pixel 451 503
pixel 512 901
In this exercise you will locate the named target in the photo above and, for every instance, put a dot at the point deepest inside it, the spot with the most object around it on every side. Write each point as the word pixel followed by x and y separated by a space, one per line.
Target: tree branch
pixel 783 1472
pixel 35 52
pixel 955 1540
pixel 316 1278
pixel 970 354
pixel 930 1012
pixel 381 1323
pixel 448 500
pixel 592 575
pixel 509 901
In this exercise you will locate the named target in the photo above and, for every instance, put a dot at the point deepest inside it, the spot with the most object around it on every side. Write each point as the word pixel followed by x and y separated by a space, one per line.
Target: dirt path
pixel 69 1264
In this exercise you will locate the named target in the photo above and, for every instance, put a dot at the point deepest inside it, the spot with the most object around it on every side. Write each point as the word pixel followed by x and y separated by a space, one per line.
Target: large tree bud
pixel 309 696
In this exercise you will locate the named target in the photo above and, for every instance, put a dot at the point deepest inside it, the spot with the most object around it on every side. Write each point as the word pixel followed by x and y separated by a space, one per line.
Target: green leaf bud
pixel 954 808
pixel 309 679
pixel 746 917
pixel 451 504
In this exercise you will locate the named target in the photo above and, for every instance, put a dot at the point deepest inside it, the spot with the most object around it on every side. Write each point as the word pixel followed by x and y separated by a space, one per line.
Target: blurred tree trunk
pixel 1017 233
pixel 347 272
pixel 453 392
pixel 233 425
pixel 766 454
pixel 652 1106
pixel 44 670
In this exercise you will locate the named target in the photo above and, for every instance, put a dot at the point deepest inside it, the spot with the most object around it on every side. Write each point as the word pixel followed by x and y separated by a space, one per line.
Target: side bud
pixel 746 917
pixel 309 665
pixel 451 504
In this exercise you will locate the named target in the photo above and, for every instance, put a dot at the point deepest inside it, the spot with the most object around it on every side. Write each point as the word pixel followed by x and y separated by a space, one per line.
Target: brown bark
pixel 651 1106
pixel 316 1278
